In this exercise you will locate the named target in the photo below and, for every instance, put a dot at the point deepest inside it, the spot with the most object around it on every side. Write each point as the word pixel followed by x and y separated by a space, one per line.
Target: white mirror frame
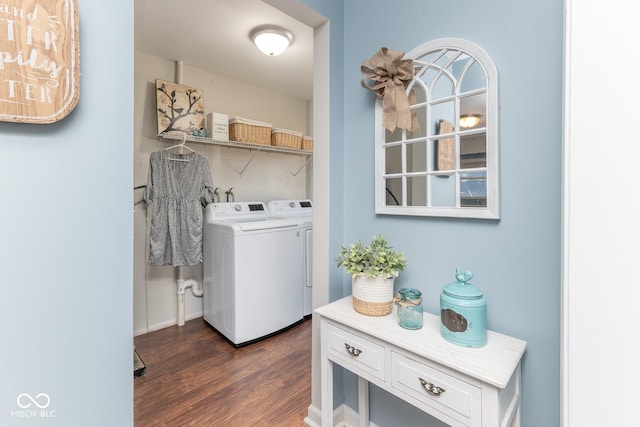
pixel 491 211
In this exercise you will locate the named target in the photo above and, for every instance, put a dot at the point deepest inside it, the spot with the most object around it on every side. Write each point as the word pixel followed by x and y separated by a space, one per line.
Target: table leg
pixel 326 385
pixel 363 402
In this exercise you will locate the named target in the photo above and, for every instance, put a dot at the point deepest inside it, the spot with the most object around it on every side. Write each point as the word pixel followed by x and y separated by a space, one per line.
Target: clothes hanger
pixel 182 144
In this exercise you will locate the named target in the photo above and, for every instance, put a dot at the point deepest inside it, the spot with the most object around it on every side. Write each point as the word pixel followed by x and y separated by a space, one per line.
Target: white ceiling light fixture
pixel 469 120
pixel 271 40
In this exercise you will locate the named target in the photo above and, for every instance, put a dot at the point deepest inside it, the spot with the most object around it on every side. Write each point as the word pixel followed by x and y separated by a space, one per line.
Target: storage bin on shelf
pixel 286 138
pixel 247 130
pixel 218 126
pixel 307 143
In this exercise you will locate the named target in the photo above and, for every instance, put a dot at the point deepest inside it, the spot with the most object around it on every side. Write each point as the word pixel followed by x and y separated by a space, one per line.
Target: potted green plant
pixel 373 270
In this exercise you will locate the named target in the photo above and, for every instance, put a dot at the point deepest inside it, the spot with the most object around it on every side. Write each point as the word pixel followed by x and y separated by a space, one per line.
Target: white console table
pixel 461 386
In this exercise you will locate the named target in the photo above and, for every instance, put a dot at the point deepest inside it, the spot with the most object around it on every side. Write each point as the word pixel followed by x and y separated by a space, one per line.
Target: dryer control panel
pixel 279 208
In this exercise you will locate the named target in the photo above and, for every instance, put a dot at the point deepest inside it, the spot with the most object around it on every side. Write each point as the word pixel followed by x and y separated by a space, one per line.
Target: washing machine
pixel 303 210
pixel 252 270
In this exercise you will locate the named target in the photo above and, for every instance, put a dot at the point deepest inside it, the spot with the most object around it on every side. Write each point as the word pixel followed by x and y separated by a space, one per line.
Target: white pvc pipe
pixel 196 289
pixel 180 280
pixel 180 308
pixel 179 72
pixel 182 284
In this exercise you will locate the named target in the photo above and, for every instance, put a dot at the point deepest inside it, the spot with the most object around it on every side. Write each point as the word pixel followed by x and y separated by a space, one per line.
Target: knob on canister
pixel 463 312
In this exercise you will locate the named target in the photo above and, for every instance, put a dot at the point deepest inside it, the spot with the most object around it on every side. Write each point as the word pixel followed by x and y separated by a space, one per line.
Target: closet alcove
pixel 232 87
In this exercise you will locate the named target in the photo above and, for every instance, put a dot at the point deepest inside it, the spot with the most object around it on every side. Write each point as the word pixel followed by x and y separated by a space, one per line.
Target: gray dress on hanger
pixel 175 193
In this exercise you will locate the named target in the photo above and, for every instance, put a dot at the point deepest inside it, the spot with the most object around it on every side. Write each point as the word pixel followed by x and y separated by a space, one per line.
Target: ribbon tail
pixel 389 110
pixel 396 108
pixel 403 114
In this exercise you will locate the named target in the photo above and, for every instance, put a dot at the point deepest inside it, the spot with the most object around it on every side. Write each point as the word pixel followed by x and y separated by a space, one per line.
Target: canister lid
pixel 410 293
pixel 461 288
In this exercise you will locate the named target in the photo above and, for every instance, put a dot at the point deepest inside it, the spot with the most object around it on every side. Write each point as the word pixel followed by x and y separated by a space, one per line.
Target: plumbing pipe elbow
pixel 196 287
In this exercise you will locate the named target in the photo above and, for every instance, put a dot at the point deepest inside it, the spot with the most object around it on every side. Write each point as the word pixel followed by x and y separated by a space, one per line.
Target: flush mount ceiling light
pixel 469 120
pixel 271 40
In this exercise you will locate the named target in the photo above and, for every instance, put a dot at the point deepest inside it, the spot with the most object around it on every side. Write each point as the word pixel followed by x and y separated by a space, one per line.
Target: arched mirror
pixel 447 164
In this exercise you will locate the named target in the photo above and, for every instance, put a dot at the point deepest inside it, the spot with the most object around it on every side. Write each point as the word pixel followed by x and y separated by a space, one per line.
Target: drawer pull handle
pixel 355 352
pixel 431 388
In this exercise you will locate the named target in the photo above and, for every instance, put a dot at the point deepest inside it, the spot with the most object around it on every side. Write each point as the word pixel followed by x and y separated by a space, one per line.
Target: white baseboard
pixel 350 417
pixel 313 418
pixel 162 325
pixel 192 316
pixel 141 331
pixel 343 416
pixel 166 324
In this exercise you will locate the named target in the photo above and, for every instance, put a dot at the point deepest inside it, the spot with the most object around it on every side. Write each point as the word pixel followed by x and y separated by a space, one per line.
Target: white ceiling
pixel 213 35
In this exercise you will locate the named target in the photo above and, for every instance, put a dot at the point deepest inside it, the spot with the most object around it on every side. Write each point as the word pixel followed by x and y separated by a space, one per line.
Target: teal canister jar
pixel 463 312
pixel 410 311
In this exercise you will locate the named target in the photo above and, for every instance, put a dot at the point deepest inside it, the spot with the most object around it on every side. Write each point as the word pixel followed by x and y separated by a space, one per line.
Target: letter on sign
pixel 39 60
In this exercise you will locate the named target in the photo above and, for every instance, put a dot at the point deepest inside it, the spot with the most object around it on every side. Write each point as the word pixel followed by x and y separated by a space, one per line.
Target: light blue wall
pixel 516 261
pixel 66 241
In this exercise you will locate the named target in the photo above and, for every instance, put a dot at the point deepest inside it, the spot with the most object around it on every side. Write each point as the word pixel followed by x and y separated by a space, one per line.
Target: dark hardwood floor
pixel 194 377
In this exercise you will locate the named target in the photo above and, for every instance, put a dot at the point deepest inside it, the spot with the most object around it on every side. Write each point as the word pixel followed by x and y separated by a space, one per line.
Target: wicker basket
pixel 372 296
pixel 286 138
pixel 372 308
pixel 307 143
pixel 246 130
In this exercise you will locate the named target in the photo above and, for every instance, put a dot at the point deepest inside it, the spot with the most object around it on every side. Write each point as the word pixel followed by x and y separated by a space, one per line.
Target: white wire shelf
pixel 236 144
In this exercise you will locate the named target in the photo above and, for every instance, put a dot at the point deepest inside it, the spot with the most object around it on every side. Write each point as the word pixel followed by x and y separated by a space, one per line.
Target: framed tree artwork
pixel 180 108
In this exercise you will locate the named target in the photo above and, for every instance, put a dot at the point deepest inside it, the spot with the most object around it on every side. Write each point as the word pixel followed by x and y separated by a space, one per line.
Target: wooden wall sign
pixel 39 60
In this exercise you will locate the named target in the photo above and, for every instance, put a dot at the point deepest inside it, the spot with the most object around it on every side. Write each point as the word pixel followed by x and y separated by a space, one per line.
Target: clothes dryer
pixel 252 269
pixel 303 211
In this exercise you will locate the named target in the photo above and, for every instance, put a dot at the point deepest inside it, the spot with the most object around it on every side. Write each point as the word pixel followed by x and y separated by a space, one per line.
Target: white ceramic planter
pixel 372 296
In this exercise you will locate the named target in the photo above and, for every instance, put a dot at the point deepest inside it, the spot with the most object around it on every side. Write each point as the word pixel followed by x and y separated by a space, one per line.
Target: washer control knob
pixel 238 208
pixel 292 204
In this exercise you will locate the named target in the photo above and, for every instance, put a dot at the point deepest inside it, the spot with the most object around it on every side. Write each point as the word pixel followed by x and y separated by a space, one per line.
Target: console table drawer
pixel 355 351
pixel 435 388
